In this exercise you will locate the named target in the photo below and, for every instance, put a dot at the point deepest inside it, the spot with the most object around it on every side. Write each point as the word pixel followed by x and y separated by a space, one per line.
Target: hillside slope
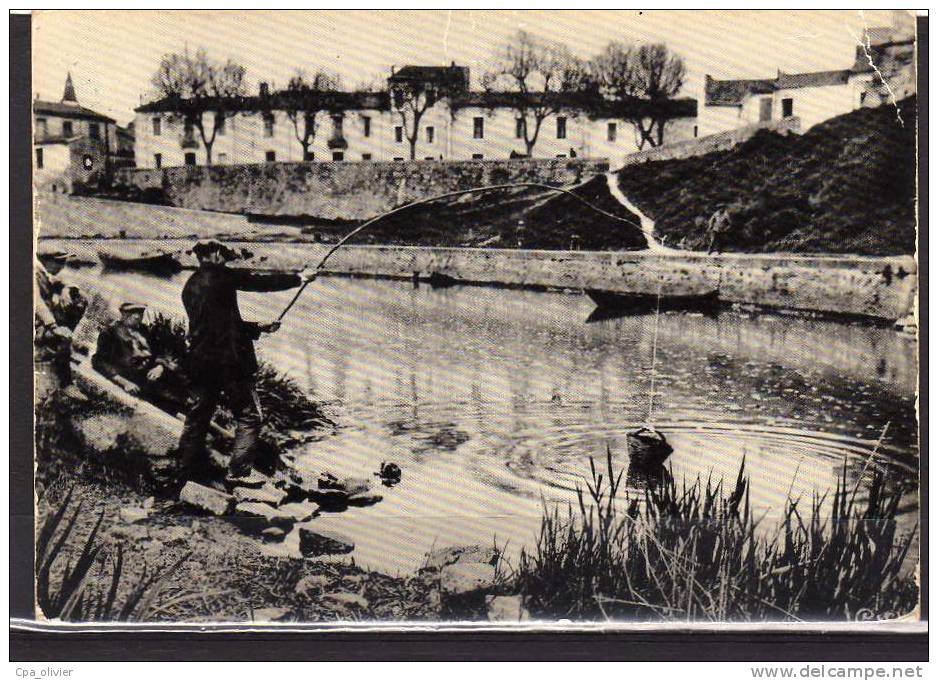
pixel 552 221
pixel 846 186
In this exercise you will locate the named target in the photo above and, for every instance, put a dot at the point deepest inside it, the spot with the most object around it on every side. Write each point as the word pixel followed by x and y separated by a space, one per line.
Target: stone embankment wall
pixel 720 141
pixel 883 288
pixel 344 191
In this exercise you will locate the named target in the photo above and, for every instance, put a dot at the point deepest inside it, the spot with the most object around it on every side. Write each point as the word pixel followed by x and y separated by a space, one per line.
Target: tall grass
pixel 696 553
pixel 64 583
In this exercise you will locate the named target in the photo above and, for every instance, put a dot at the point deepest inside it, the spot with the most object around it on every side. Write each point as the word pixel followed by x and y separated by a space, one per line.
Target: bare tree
pixel 644 80
pixel 195 85
pixel 540 73
pixel 304 99
pixel 411 99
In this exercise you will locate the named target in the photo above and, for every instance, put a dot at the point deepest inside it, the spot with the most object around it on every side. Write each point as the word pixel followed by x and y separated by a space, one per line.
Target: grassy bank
pixel 696 552
pixel 845 186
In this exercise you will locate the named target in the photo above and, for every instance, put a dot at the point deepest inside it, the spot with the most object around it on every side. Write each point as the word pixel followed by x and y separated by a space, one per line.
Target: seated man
pixel 123 355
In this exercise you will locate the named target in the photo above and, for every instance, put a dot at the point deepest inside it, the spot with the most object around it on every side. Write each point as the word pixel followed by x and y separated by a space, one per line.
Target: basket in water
pixel 647 448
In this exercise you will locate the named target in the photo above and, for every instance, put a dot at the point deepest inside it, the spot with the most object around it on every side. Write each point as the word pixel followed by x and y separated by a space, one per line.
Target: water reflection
pixel 492 401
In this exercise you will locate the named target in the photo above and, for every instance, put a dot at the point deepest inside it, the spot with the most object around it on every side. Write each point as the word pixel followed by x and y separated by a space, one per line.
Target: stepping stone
pixel 205 498
pixel 267 494
pixel 330 499
pixel 360 500
pixel 507 609
pixel 347 601
pixel 273 534
pixel 321 542
pixel 448 555
pixel 300 511
pixel 269 514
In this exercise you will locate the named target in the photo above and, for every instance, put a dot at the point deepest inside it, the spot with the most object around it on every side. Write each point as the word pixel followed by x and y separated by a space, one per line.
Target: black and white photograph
pixel 489 318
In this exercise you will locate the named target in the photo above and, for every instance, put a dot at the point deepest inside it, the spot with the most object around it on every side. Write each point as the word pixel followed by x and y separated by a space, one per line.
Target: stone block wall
pixel 345 191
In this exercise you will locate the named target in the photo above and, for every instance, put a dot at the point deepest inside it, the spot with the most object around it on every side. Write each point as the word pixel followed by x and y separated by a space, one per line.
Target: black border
pixel 414 645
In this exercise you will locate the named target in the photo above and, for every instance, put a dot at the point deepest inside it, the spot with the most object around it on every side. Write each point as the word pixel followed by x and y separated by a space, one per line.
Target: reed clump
pixel 696 553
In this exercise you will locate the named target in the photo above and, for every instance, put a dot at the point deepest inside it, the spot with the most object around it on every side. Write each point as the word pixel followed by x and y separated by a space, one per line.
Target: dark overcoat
pixel 220 342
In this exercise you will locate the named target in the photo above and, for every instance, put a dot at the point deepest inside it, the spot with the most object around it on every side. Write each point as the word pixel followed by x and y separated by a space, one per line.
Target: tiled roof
pixel 790 81
pixel 41 107
pixel 279 101
pixel 57 139
pixel 732 92
pixel 886 56
pixel 450 75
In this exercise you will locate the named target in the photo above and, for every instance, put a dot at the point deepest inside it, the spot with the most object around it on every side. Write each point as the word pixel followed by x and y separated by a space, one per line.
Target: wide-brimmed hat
pixel 207 246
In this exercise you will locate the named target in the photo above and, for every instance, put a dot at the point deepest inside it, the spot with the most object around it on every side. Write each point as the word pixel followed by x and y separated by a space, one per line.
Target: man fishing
pixel 221 355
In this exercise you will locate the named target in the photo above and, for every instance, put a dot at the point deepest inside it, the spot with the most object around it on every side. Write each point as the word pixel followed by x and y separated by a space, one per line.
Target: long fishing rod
pixel 368 223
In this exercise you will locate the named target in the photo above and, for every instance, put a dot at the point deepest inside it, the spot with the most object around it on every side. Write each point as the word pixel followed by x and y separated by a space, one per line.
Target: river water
pixel 492 401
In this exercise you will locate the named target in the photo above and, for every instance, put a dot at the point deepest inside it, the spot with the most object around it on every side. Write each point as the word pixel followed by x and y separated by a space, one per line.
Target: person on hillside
pixel 717 227
pixel 52 335
pixel 123 355
pixel 221 356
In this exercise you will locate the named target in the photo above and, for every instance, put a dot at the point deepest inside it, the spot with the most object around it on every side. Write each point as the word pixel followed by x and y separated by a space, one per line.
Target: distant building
pixel 883 68
pixel 72 144
pixel 363 126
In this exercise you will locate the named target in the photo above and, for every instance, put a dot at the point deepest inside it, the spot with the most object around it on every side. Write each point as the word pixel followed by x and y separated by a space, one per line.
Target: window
pixel 788 108
pixel 187 130
pixel 67 130
pixel 220 125
pixel 695 131
pixel 268 125
pixel 561 128
pixel 270 156
pixel 366 157
pixel 157 127
pixel 338 155
pixel 190 158
pixel 398 158
pixel 398 134
pixel 309 156
pixel 862 98
pixel 611 132
pixel 42 127
pixel 519 128
pixel 477 157
pixel 157 161
pixel 430 132
pixel 222 158
pixel 39 159
pixel 561 156
pixel 366 126
pixel 478 128
pixel 94 131
pixel 428 158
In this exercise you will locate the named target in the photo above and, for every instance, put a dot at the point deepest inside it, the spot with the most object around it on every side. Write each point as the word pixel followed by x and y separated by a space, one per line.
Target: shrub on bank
pixel 692 553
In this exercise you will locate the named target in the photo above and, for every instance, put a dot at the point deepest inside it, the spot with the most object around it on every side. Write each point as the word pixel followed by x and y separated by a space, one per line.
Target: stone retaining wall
pixel 883 288
pixel 720 141
pixel 345 191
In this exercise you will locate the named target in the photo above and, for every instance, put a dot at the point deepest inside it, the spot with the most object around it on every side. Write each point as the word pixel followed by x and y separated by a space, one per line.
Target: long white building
pixel 363 126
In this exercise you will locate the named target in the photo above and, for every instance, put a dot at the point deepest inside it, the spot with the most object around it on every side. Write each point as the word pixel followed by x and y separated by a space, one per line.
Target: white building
pixel 362 126
pixel 884 70
pixel 71 143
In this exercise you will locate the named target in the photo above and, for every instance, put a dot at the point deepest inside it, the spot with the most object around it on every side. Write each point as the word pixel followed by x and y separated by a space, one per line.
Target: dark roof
pixel 68 111
pixel 685 107
pixel 788 81
pixel 453 75
pixel 885 56
pixel 732 92
pixel 489 99
pixel 280 101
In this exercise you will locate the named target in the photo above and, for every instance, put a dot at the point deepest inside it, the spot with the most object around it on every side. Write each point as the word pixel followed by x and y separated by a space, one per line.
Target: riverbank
pixel 851 286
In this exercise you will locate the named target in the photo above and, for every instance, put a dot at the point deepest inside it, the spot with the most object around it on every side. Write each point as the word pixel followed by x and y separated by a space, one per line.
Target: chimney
pixel 264 89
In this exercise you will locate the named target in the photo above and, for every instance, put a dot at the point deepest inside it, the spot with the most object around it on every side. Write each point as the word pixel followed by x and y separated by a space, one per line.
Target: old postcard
pixel 502 317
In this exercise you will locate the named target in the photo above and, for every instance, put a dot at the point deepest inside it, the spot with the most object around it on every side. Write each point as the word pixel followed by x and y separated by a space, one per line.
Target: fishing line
pixel 654 357
pixel 494 187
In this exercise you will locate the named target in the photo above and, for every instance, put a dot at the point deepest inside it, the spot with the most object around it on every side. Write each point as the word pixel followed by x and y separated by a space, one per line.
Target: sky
pixel 113 54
